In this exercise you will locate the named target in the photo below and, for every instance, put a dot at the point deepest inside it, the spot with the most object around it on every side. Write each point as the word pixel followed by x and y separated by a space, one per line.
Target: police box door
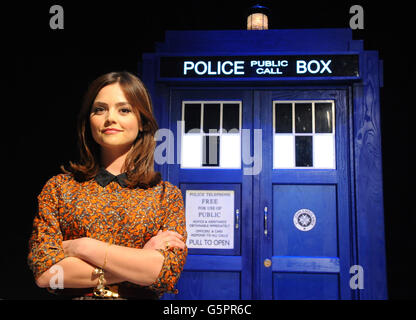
pixel 301 196
pixel 264 175
pixel 209 128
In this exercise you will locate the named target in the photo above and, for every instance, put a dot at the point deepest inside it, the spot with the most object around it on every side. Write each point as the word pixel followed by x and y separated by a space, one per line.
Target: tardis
pixel 274 139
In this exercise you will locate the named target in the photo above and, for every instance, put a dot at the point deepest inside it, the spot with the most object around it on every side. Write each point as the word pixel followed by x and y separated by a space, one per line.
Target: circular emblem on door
pixel 304 219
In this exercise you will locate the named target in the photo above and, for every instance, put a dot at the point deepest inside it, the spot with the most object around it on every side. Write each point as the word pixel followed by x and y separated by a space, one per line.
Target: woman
pixel 114 228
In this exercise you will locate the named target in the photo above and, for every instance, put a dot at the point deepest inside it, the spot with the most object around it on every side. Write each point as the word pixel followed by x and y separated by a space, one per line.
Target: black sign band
pixel 315 66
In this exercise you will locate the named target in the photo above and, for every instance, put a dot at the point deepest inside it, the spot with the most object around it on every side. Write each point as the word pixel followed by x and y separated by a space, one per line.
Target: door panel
pixel 305 255
pixel 305 286
pixel 209 285
pixel 292 219
pixel 306 207
pixel 288 240
pixel 213 271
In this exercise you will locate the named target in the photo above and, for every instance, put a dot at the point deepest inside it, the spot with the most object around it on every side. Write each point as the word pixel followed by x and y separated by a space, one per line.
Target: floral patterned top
pixel 105 209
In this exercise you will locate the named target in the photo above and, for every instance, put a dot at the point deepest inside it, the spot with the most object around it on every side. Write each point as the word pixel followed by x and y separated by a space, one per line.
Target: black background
pixel 51 69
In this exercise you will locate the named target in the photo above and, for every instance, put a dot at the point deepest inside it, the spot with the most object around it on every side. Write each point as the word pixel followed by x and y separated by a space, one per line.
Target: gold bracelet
pixel 105 256
pixel 101 291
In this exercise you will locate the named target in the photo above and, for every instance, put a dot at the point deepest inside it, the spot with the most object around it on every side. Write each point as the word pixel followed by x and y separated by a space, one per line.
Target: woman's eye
pixel 98 110
pixel 125 110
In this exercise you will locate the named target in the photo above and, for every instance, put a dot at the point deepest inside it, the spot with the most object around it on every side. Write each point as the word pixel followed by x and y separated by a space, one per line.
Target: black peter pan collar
pixel 104 177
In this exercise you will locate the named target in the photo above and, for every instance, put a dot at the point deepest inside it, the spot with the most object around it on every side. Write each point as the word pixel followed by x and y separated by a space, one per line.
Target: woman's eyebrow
pixel 118 104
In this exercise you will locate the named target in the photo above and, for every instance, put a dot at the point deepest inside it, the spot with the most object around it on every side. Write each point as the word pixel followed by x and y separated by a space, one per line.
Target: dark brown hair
pixel 139 163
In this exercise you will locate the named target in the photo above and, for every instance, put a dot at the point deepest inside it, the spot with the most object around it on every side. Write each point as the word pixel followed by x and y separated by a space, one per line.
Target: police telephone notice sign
pixel 266 67
pixel 210 219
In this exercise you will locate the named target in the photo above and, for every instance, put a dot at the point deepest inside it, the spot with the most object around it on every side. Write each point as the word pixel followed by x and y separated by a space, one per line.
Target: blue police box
pixel 274 138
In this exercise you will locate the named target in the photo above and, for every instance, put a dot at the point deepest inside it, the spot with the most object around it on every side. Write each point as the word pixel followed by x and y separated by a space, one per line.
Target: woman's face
pixel 113 123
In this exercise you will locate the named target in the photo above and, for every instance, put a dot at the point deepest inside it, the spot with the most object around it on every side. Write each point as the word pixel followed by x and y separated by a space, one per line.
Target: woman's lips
pixel 111 131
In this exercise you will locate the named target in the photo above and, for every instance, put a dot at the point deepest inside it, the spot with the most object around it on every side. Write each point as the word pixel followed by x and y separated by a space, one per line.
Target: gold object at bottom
pixel 101 291
pixel 104 292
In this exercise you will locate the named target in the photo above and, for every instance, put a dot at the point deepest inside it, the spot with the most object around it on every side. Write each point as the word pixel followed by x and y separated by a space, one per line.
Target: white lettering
pixel 203 64
pixel 180 310
pixel 313 66
pixel 226 67
pixel 164 152
pixel 316 63
pixel 230 70
pixel 57 20
pixel 357 20
pixel 238 65
pixel 187 65
pixel 57 280
pixel 261 67
pixel 256 159
pixel 301 66
pixel 209 68
pixel 326 66
pixel 357 280
pixel 268 71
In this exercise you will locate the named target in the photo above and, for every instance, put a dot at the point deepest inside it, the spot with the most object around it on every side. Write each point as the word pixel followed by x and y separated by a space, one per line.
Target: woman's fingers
pixel 165 239
pixel 172 233
pixel 173 239
pixel 174 243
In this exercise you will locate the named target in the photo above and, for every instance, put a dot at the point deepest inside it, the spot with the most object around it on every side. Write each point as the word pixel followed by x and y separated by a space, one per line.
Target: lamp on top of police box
pixel 257 19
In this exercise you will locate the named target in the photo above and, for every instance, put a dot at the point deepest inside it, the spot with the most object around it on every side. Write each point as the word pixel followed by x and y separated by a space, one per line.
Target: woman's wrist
pixel 85 247
pixel 93 251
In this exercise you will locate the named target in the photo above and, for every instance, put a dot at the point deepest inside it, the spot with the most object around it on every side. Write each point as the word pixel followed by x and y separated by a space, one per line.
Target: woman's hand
pixel 164 240
pixel 72 247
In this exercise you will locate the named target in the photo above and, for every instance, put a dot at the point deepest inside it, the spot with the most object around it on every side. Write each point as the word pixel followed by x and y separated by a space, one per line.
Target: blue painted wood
pixel 344 196
pixel 358 180
pixel 325 190
pixel 262 243
pixel 305 176
pixel 235 41
pixel 275 81
pixel 247 235
pixel 209 285
pixel 368 180
pixel 213 263
pixel 210 262
pixel 211 175
pixel 303 286
pixel 320 240
pixel 353 216
pixel 306 264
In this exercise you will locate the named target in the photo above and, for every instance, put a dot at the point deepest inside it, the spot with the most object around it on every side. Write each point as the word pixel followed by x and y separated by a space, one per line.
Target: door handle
pixel 265 221
pixel 237 218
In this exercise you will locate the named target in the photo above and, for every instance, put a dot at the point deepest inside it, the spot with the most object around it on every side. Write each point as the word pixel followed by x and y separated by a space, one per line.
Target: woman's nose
pixel 110 116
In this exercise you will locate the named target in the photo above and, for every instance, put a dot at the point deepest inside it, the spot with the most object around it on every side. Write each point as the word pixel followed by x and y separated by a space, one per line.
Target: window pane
pixel 284 153
pixel 230 151
pixel 323 117
pixel 283 118
pixel 211 154
pixel 191 151
pixel 303 151
pixel 192 117
pixel 303 117
pixel 211 117
pixel 324 151
pixel 231 117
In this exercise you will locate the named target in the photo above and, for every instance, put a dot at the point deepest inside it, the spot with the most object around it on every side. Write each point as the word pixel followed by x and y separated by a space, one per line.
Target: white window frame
pixel 201 133
pixel 313 133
